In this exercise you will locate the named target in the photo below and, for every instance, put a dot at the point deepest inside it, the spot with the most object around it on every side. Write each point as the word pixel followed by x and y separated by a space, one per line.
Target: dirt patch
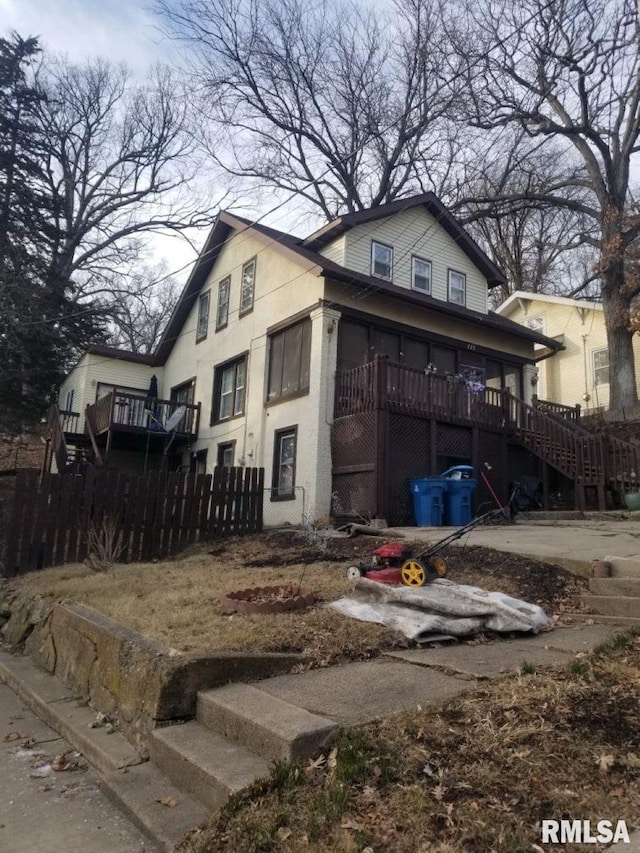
pixel 479 773
pixel 267 599
pixel 178 602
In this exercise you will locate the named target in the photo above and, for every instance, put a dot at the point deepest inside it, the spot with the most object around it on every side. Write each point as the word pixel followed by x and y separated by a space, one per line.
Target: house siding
pixel 335 251
pixel 416 232
pixel 568 376
pixel 94 369
pixel 429 321
pixel 282 290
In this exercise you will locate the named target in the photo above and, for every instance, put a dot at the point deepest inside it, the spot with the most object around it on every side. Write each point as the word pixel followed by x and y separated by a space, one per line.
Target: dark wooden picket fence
pixel 151 516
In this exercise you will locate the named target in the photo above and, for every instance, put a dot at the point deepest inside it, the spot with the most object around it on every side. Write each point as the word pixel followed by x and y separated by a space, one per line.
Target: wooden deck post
pixel 382 434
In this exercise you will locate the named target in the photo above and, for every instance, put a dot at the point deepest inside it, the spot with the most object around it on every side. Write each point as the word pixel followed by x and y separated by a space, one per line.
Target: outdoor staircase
pixel 587 458
pixel 239 732
pixel 617 597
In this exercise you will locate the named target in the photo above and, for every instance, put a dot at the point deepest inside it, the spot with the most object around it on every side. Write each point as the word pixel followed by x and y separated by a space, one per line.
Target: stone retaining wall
pixel 127 676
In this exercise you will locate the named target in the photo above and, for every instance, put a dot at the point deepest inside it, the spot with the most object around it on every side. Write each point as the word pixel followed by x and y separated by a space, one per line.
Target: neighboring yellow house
pixel 578 374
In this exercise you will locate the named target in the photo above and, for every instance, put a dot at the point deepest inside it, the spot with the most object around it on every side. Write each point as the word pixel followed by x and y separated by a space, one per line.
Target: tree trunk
pixel 622 374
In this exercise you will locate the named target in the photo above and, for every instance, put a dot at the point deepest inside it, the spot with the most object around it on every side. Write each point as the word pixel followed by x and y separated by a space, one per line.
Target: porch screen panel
pixel 386 343
pixel 513 379
pixel 444 359
pixel 416 354
pixel 493 376
pixel 353 347
pixel 292 360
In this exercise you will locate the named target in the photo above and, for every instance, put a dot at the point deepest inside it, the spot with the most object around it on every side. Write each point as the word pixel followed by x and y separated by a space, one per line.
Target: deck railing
pixel 567 413
pixel 134 412
pixel 381 383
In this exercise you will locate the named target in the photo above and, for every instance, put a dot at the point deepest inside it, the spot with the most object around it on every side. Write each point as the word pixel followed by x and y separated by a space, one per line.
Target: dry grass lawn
pixel 178 602
pixel 477 774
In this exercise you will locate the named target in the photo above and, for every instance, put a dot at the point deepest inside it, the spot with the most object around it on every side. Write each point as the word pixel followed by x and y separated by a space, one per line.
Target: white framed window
pixel 284 464
pixel 203 317
pixel 420 274
pixel 457 287
pixel 222 315
pixel 248 287
pixel 68 402
pixel 600 361
pixel 229 385
pixel 381 260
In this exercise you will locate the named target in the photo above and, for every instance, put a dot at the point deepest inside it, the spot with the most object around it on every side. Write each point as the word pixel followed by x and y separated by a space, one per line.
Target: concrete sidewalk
pixel 573 544
pixel 44 811
pixel 399 681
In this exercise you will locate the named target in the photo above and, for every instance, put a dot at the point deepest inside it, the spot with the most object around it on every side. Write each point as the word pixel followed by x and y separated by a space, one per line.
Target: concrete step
pixel 270 727
pixel 615 586
pixel 624 567
pixel 613 605
pixel 625 622
pixel 204 764
pixel 151 801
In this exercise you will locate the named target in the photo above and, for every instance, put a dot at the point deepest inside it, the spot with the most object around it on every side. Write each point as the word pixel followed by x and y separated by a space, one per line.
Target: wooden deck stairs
pixel 599 461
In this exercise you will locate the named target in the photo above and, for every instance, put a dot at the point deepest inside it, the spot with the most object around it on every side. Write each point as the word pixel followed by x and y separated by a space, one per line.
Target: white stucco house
pixel 272 349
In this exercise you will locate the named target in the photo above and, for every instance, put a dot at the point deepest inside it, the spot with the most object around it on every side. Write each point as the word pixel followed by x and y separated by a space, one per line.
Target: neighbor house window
pixel 68 403
pixel 601 367
pixel 536 324
pixel 381 260
pixel 457 287
pixel 203 317
pixel 248 286
pixel 289 359
pixel 421 275
pixel 229 384
pixel 284 464
pixel 222 315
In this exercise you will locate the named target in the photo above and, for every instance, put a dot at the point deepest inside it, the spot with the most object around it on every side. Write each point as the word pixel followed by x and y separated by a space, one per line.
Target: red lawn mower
pixel 395 563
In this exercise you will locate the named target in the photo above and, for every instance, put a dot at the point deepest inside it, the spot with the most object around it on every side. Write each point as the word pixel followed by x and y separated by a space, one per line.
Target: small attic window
pixel 536 324
pixel 381 260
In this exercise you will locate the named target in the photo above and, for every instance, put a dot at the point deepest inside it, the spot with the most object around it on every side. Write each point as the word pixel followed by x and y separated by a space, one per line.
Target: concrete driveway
pixel 573 544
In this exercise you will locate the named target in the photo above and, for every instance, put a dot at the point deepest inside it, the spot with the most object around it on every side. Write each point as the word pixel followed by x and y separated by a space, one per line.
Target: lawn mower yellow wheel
pixel 438 565
pixel 413 573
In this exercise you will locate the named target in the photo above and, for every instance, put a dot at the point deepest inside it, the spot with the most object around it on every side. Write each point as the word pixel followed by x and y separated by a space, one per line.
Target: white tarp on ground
pixel 441 607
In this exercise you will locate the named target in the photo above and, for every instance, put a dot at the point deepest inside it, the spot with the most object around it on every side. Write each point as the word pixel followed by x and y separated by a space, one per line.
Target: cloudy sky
pixel 119 29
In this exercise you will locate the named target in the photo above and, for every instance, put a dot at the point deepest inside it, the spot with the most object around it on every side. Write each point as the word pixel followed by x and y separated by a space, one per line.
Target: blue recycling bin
pixel 427 495
pixel 458 495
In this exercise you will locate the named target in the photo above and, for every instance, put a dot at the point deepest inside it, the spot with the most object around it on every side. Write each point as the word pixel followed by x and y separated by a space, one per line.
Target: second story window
pixel 601 367
pixel 222 315
pixel 421 275
pixel 381 260
pixel 229 385
pixel 248 287
pixel 457 287
pixel 203 317
pixel 289 360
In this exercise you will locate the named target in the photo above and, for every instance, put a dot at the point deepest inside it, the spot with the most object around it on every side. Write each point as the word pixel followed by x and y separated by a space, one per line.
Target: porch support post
pixel 545 485
pixel 318 425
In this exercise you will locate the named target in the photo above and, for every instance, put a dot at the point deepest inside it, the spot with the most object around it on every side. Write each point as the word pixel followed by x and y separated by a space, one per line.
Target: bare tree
pixel 121 162
pixel 568 71
pixel 140 315
pixel 319 98
pixel 539 246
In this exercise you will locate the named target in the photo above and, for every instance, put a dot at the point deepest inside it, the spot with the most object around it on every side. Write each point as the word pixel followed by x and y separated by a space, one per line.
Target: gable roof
pixel 543 297
pixel 304 252
pixel 436 208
